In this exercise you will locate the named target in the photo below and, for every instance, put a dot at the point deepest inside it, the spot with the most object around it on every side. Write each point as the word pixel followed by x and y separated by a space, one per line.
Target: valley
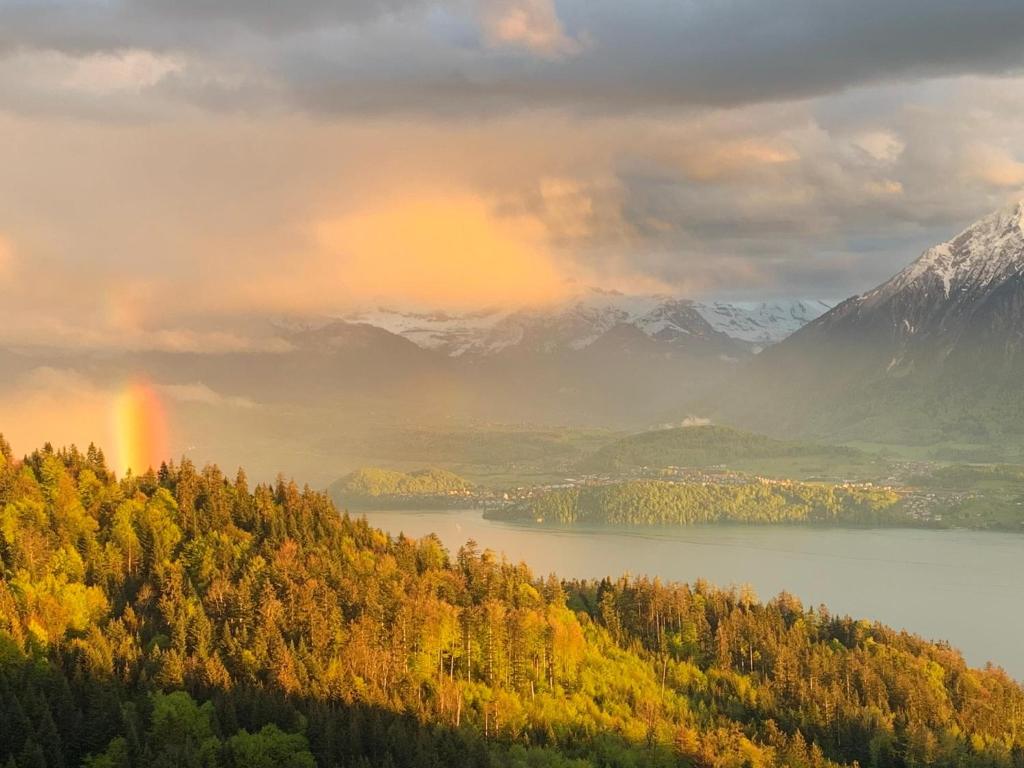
pixel 705 474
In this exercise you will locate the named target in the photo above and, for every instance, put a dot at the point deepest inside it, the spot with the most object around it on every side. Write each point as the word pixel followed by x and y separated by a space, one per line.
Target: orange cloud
pixel 6 257
pixel 996 167
pixel 713 160
pixel 440 250
pixel 532 25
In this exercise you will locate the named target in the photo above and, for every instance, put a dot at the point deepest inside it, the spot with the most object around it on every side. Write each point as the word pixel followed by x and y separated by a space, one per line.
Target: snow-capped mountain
pixel 935 353
pixel 765 322
pixel 985 254
pixel 580 321
pixel 967 291
pixel 453 334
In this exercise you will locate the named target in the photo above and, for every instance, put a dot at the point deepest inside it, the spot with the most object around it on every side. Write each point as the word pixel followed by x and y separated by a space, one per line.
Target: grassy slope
pixel 718 446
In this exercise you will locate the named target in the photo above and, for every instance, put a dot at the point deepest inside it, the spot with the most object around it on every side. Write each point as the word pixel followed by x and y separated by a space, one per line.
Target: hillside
pixel 184 619
pixel 651 502
pixel 375 487
pixel 706 446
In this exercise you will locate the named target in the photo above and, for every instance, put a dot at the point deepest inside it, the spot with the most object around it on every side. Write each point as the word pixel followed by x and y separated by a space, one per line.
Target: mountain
pixel 580 321
pixel 933 354
pixel 966 291
pixel 762 323
pixel 325 393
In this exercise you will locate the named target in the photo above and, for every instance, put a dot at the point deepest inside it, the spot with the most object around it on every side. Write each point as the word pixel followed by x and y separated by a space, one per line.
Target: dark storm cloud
pixel 381 55
pixel 745 51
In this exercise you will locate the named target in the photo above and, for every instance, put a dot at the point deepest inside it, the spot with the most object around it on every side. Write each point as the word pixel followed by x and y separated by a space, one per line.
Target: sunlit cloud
pixel 159 238
pixel 714 159
pixel 998 167
pixel 532 25
pixel 6 258
pixel 451 250
pixel 882 145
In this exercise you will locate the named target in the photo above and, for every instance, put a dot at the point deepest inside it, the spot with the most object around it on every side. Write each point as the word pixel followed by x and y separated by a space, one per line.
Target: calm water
pixel 962 586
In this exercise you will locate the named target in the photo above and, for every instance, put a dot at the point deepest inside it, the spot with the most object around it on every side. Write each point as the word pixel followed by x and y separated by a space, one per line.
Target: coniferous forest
pixel 186 618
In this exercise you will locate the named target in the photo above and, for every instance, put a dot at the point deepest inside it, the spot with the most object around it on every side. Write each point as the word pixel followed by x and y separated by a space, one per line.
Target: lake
pixel 966 587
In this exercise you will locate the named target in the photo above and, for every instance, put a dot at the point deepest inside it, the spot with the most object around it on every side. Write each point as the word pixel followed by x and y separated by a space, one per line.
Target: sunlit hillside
pixel 184 618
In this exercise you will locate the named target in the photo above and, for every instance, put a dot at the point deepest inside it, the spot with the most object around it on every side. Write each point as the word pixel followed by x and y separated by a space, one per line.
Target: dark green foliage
pixel 180 619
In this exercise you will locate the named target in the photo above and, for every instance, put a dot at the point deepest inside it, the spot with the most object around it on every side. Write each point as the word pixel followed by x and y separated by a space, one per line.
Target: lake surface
pixel 966 587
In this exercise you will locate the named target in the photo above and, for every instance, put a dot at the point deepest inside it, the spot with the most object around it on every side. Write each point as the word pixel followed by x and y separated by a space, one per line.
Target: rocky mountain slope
pixel 933 354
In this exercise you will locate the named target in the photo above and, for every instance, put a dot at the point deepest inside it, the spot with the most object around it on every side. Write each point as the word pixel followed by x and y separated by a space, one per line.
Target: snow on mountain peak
pixel 584 318
pixel 764 322
pixel 986 251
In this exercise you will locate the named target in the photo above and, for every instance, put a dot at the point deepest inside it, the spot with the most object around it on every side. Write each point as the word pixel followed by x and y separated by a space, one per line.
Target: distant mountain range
pixel 934 354
pixel 581 321
pixel 932 357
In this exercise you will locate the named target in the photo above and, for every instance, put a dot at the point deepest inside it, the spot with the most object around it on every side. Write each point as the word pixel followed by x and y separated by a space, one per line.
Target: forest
pixel 370 487
pixel 185 618
pixel 657 502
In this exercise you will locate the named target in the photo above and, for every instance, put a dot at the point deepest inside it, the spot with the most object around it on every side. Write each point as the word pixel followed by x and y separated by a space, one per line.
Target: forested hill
pixel 181 618
pixel 373 487
pixel 654 502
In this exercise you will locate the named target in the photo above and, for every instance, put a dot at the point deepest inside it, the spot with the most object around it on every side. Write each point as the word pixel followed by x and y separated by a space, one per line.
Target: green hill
pixel 373 486
pixel 718 446
pixel 651 502
pixel 181 618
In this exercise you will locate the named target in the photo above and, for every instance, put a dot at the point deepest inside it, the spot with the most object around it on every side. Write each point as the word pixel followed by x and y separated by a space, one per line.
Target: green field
pixel 736 450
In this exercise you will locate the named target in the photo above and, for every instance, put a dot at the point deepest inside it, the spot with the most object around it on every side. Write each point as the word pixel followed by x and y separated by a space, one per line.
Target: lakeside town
pixel 917 504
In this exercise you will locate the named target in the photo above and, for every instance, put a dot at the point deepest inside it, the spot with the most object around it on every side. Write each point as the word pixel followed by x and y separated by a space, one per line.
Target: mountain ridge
pixel 934 353
pixel 579 321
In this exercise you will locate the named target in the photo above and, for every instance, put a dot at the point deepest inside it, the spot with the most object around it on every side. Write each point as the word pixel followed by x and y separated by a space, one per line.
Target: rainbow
pixel 140 427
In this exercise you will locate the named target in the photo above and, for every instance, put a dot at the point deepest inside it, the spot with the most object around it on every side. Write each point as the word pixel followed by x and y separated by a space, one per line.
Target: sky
pixel 173 168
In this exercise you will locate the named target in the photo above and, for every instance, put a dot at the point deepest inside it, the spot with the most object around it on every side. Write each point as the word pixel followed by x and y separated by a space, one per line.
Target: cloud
pixel 436 249
pixel 175 232
pixel 998 166
pixel 204 395
pixel 124 71
pixel 429 57
pixel 532 25
pixel 881 145
pixel 6 258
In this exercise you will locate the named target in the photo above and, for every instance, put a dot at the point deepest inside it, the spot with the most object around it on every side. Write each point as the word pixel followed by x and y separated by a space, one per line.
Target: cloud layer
pixel 174 168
